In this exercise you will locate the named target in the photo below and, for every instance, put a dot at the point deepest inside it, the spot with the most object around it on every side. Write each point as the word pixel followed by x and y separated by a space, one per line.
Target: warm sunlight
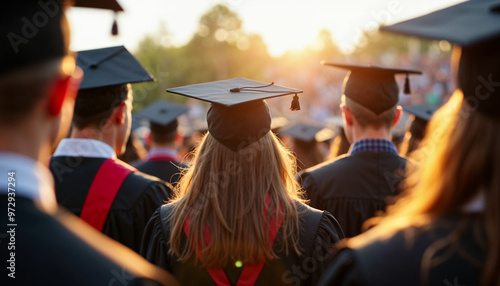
pixel 283 25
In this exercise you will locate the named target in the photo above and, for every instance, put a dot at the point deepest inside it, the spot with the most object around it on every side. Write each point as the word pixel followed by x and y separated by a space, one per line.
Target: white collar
pixel 162 151
pixel 79 147
pixel 32 179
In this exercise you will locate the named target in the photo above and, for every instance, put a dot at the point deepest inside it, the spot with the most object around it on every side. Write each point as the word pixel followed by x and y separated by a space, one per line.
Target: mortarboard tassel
pixel 295 103
pixel 114 29
pixel 407 84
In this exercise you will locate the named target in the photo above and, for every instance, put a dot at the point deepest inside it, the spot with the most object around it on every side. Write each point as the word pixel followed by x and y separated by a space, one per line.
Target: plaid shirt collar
pixel 373 145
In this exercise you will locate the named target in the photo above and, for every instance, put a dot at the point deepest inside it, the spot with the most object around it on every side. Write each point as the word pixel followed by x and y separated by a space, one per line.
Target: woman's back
pixel 435 254
pixel 319 231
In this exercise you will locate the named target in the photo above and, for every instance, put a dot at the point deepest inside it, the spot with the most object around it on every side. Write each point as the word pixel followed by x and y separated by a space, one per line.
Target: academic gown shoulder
pixel 168 171
pixel 49 250
pixel 354 187
pixel 319 232
pixel 405 257
pixel 137 199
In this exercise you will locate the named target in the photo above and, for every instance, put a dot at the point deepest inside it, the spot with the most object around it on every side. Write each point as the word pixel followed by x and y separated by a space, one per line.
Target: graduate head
pixel 306 140
pixel 163 123
pixel 415 127
pixel 238 163
pixel 370 98
pixel 104 103
pixel 38 80
pixel 461 154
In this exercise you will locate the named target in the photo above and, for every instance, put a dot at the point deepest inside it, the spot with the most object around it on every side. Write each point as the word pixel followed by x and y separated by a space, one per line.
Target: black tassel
pixel 114 29
pixel 407 84
pixel 295 103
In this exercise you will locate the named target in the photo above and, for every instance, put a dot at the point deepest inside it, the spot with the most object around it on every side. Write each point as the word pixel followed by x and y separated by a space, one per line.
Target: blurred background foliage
pixel 222 49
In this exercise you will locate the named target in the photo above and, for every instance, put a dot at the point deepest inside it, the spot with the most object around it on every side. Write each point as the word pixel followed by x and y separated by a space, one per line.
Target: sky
pixel 284 24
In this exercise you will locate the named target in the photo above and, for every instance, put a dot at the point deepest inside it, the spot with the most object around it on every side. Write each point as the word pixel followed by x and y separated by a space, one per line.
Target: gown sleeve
pixel 344 270
pixel 327 235
pixel 154 242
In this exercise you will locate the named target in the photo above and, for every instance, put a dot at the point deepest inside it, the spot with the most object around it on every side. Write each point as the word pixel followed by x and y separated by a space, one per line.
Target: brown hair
pixel 94 105
pixel 308 154
pixel 226 191
pixel 461 160
pixel 162 134
pixel 339 146
pixel 366 117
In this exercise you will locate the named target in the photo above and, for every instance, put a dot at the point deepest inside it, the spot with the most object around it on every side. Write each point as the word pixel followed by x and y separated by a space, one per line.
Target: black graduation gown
pixel 354 187
pixel 398 260
pixel 47 252
pixel 167 170
pixel 137 199
pixel 319 232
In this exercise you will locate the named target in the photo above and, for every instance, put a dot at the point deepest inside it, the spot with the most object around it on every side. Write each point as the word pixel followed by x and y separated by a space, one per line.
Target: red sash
pixel 251 272
pixel 161 157
pixel 103 190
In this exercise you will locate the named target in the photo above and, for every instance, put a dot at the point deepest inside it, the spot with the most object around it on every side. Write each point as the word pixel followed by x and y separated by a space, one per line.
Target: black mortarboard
pixel 373 87
pixel 162 115
pixel 238 115
pixel 466 24
pixel 307 132
pixel 110 66
pixel 475 26
pixel 102 4
pixel 31 32
pixel 421 115
pixel 421 111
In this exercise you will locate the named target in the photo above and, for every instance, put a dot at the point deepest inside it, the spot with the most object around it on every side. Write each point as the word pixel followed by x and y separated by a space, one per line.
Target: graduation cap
pixel 100 4
pixel 103 4
pixel 373 87
pixel 110 66
pixel 308 133
pixel 475 27
pixel 421 114
pixel 31 33
pixel 466 24
pixel 238 115
pixel 162 115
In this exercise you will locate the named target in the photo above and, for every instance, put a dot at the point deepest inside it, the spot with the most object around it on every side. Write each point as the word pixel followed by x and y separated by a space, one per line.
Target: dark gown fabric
pixel 169 171
pixel 399 259
pixel 47 252
pixel 354 187
pixel 319 232
pixel 137 199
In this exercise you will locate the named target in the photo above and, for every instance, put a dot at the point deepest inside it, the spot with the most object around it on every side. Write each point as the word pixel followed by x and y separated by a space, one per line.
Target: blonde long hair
pixel 462 159
pixel 226 191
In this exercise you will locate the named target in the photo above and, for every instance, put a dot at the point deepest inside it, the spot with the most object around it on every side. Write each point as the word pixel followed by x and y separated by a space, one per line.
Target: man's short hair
pixel 95 105
pixel 164 134
pixel 366 117
pixel 22 90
